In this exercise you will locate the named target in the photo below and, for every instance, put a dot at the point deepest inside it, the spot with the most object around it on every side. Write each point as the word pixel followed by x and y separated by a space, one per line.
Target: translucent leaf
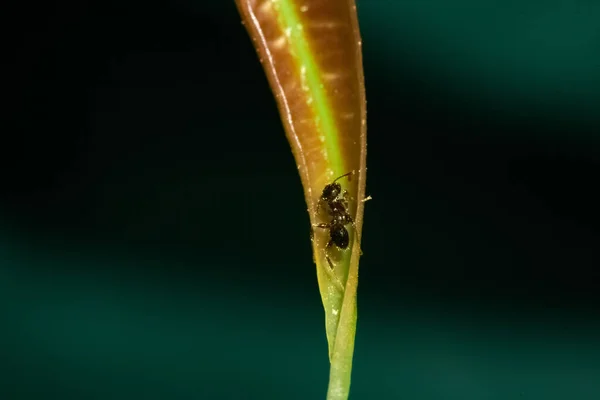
pixel 311 53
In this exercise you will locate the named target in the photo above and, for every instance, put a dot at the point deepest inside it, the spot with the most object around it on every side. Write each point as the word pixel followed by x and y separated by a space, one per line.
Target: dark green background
pixel 154 239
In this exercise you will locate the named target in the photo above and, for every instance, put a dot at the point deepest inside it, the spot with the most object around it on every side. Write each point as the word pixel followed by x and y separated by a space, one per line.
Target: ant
pixel 337 202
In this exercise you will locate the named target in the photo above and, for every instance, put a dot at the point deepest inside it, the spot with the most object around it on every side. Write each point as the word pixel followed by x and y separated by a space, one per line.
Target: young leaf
pixel 311 53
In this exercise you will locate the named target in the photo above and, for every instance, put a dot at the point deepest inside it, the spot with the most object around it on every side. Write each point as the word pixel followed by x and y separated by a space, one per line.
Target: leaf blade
pixel 311 51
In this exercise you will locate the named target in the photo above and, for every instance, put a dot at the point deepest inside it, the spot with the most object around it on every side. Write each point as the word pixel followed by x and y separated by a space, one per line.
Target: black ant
pixel 337 202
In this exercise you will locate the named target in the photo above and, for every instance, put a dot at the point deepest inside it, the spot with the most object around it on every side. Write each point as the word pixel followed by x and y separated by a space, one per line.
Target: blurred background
pixel 154 241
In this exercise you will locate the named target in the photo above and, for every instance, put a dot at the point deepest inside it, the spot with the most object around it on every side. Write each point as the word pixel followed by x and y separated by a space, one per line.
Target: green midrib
pixel 290 20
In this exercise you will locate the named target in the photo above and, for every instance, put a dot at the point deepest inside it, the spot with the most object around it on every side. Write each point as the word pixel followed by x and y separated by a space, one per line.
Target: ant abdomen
pixel 339 236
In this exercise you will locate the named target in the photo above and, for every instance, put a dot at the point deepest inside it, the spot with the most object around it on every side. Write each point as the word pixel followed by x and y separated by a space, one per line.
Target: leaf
pixel 311 52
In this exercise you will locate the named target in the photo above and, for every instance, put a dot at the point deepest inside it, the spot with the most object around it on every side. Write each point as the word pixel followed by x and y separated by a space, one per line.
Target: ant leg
pixel 322 226
pixel 329 245
pixel 330 263
pixel 331 271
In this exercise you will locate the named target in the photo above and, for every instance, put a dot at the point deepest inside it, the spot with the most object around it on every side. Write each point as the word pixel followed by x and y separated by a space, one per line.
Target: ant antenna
pixel 349 175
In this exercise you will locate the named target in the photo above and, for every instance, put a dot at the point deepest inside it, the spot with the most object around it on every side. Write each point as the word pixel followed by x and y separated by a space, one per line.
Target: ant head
pixel 331 191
